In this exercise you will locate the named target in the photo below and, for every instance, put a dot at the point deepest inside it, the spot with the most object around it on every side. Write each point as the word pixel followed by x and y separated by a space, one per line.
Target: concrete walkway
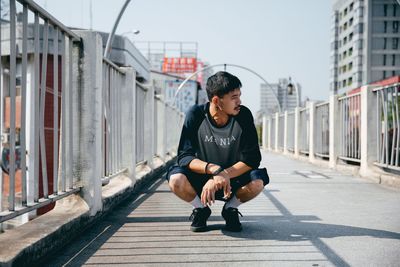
pixel 307 216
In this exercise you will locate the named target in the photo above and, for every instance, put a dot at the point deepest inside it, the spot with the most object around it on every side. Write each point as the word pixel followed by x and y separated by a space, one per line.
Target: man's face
pixel 230 103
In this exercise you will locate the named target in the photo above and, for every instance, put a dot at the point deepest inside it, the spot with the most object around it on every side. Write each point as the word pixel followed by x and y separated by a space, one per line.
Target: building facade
pixel 365 43
pixel 287 97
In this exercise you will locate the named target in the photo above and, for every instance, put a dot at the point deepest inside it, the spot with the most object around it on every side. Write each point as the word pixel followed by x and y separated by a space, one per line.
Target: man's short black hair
pixel 221 83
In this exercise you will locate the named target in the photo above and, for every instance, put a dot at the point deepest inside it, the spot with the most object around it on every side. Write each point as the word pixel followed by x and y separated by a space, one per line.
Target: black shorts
pixel 199 180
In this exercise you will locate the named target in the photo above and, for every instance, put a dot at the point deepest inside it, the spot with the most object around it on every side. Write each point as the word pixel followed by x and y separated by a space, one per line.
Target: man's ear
pixel 215 100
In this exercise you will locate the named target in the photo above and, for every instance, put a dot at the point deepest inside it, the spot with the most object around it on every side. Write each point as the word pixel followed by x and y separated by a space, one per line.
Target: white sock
pixel 196 203
pixel 233 203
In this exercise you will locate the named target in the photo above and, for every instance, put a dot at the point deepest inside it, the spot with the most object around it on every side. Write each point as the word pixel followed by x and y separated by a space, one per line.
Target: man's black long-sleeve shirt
pixel 236 141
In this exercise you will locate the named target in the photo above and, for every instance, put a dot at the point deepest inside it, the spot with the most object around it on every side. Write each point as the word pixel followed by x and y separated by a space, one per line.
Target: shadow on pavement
pixel 285 227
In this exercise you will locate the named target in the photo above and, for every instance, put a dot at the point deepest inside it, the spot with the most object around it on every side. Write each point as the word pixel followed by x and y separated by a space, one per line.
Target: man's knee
pixel 178 182
pixel 256 186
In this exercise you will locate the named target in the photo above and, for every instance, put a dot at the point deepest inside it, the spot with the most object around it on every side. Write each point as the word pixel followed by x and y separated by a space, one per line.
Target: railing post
pixel 296 131
pixel 368 130
pixel 149 127
pixel 334 130
pixel 128 132
pixel 264 132
pixel 311 144
pixel 89 124
pixel 285 133
pixel 269 133
pixel 276 148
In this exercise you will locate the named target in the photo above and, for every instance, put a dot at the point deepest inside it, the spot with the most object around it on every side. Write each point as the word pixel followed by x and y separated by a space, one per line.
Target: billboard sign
pixel 179 64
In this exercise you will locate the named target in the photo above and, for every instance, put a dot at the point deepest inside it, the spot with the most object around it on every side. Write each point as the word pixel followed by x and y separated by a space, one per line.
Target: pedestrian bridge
pixel 306 216
pixel 80 136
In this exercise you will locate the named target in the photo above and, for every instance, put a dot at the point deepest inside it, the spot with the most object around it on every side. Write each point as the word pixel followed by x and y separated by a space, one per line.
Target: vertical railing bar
pixel 112 132
pixel 360 111
pixel 352 125
pixel 382 110
pixel 343 123
pixel 23 101
pixel 42 110
pixel 1 121
pixel 118 91
pixel 70 118
pixel 386 128
pixel 103 146
pixel 12 89
pixel 393 125
pixel 108 130
pixel 55 111
pixel 63 131
pixel 378 128
pixel 37 106
pixel 121 84
pixel 397 126
pixel 346 147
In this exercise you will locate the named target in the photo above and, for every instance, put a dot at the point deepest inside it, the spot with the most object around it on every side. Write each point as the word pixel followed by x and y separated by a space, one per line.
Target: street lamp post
pixel 290 87
pixel 107 50
pixel 233 65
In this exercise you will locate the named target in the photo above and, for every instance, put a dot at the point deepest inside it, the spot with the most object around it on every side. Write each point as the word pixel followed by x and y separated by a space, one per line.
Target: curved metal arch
pixel 232 65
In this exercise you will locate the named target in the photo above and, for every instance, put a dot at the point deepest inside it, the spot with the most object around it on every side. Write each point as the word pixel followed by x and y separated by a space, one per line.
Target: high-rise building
pixel 287 96
pixel 365 44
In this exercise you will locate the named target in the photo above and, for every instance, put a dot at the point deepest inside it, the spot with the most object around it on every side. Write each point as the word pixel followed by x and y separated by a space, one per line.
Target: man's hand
pixel 208 193
pixel 222 181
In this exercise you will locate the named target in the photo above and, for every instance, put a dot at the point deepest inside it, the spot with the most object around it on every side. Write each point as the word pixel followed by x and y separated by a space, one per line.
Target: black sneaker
pixel 199 219
pixel 231 216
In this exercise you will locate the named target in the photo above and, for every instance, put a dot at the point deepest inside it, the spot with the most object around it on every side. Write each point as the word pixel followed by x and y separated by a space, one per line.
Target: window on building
pixel 340 15
pixel 384 60
pixel 350 36
pixel 350 65
pixel 345 26
pixel 384 74
pixel 350 51
pixel 344 40
pixel 393 60
pixel 385 26
pixel 345 12
pixel 360 44
pixel 350 81
pixel 395 26
pixel 344 68
pixel 394 10
pixel 395 43
pixel 384 43
pixel 393 73
pixel 360 12
pixel 351 6
pixel 344 83
pixel 385 9
pixel 351 22
pixel 344 54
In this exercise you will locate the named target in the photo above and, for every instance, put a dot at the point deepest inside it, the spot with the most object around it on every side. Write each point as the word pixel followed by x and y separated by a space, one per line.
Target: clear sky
pixel 274 38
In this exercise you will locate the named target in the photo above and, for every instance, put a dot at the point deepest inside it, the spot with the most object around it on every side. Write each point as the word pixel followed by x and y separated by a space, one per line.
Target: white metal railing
pixel 304 130
pixel 322 130
pixel 350 124
pixel 39 146
pixel 112 83
pixel 388 126
pixel 290 131
pixel 361 128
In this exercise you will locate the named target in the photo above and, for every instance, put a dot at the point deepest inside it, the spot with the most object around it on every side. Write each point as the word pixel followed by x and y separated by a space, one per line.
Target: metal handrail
pixel 47 16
